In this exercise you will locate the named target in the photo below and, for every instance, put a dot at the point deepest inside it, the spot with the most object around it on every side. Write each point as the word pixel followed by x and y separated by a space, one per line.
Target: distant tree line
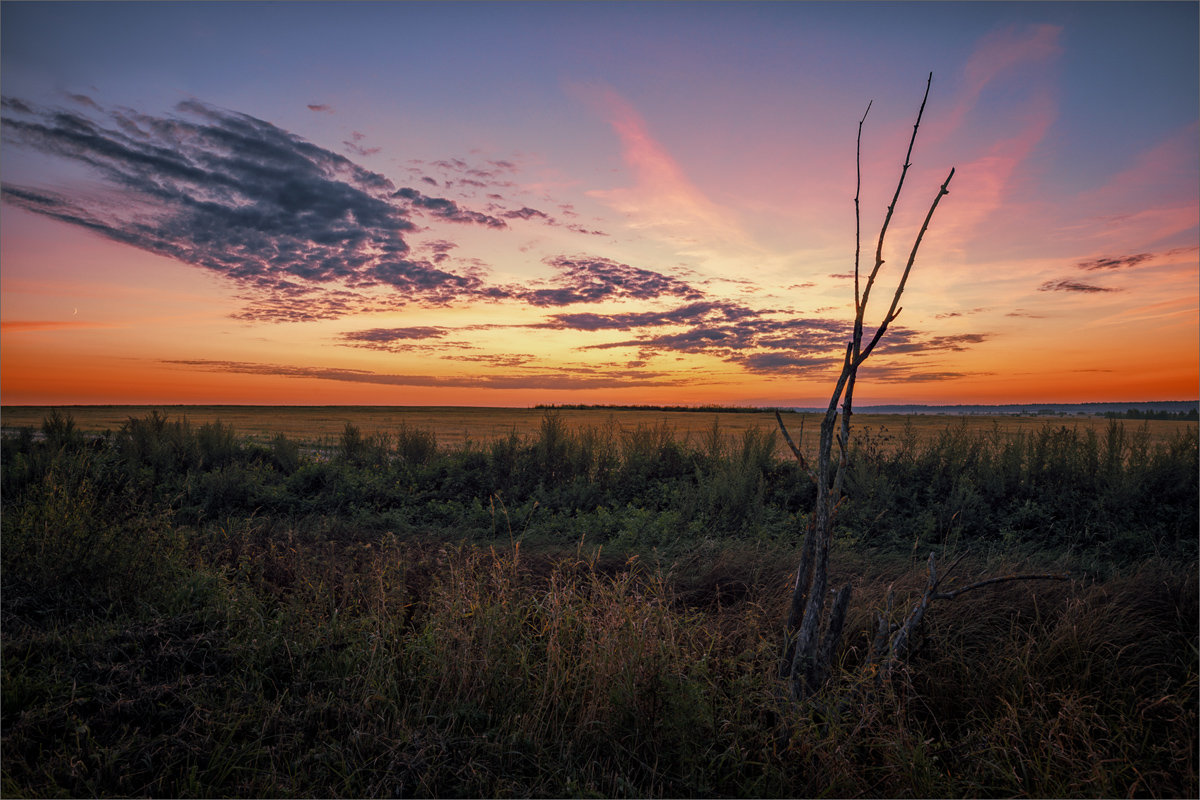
pixel 1135 413
pixel 705 408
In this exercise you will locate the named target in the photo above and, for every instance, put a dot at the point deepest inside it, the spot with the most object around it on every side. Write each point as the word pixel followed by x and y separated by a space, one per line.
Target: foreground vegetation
pixel 585 611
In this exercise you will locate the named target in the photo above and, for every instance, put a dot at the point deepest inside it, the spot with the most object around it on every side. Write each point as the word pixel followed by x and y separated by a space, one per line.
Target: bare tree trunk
pixel 812 636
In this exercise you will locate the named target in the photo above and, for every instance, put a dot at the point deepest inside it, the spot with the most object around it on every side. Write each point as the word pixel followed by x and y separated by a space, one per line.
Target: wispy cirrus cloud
pixel 984 185
pixel 527 214
pixel 1114 264
pixel 563 378
pixel 1184 307
pixel 904 340
pixel 388 335
pixel 1159 182
pixel 83 100
pixel 764 342
pixel 354 145
pixel 732 336
pixel 425 339
pixel 494 177
pixel 775 363
pixel 440 249
pixel 646 319
pixel 663 199
pixel 897 373
pixel 1067 285
pixel 296 303
pixel 305 234
pixel 1118 262
pixel 1017 60
pixel 997 54
pixel 965 312
pixel 302 232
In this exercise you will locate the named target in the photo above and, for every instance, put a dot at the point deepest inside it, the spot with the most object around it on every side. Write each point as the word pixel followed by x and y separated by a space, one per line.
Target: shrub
pixel 416 446
pixel 77 537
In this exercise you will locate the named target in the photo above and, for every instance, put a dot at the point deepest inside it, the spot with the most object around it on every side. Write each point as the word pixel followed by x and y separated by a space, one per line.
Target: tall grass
pixel 188 613
pixel 1117 497
pixel 342 669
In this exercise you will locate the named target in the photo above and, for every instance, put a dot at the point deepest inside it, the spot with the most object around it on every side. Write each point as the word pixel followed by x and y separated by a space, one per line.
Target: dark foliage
pixel 1115 496
pixel 190 613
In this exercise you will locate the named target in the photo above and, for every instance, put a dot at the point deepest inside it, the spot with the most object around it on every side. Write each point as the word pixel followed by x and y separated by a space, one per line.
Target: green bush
pixel 78 537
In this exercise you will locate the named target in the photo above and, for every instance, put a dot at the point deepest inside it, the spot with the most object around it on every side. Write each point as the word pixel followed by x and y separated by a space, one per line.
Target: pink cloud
pixel 990 155
pixel 662 197
pixel 1006 49
pixel 996 55
pixel 1157 185
pixel 1181 307
pixel 984 185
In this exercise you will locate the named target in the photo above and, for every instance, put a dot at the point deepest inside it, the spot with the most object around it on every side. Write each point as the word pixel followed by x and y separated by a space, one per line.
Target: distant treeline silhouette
pixel 1135 413
pixel 706 408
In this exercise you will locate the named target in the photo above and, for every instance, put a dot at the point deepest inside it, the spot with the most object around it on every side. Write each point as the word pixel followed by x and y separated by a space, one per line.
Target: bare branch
pixel 799 602
pixel 898 647
pixel 953 565
pixel 1044 576
pixel 844 436
pixel 883 629
pixel 857 214
pixel 895 198
pixel 787 437
pixel 893 311
pixel 899 644
pixel 833 635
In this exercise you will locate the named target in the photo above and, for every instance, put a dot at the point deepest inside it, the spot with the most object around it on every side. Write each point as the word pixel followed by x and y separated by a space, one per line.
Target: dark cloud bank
pixel 238 196
pixel 302 230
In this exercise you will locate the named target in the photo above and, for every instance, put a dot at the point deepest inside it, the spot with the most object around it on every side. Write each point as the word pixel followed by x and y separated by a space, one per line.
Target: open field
pixel 454 426
pixel 587 609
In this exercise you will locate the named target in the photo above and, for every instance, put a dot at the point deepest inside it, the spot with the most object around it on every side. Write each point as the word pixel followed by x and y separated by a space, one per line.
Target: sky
pixel 508 204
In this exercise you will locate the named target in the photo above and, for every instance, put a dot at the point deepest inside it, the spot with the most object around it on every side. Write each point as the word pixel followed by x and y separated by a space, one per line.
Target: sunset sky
pixel 517 203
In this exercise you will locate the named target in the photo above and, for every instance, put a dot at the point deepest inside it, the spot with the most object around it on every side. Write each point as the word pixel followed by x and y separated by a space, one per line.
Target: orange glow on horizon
pixel 32 376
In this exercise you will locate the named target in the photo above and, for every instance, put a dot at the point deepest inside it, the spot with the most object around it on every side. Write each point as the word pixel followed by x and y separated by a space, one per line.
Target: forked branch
pixel 894 310
pixel 892 640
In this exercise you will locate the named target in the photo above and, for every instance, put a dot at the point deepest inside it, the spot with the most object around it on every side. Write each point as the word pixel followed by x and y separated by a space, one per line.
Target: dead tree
pixel 812 635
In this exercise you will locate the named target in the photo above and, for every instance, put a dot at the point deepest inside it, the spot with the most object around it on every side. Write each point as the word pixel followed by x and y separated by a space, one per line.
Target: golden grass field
pixel 455 425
